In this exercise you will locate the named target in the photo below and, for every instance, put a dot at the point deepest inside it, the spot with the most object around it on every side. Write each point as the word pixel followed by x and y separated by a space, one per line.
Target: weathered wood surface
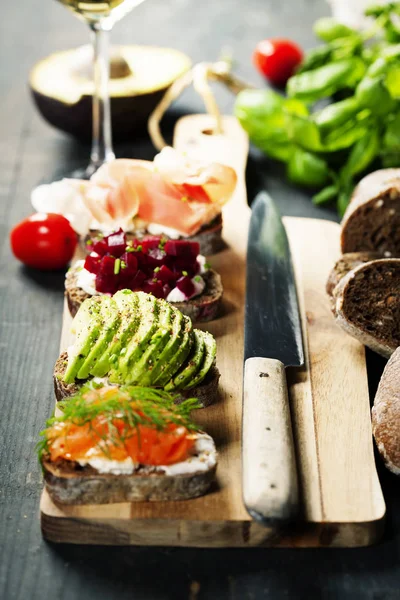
pixel 31 303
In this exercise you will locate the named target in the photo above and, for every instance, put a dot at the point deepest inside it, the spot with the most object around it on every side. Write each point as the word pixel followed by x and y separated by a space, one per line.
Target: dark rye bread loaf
pixel 346 263
pixel 67 482
pixel 202 308
pixel 386 414
pixel 209 237
pixel 206 392
pixel 371 222
pixel 366 304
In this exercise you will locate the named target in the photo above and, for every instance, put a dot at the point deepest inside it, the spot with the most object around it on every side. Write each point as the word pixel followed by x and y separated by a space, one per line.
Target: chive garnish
pixel 117 266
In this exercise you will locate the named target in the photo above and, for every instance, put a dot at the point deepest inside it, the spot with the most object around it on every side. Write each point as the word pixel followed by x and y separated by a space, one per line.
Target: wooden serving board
pixel 342 502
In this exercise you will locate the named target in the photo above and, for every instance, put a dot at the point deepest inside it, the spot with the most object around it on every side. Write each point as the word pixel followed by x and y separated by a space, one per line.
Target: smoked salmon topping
pixel 120 423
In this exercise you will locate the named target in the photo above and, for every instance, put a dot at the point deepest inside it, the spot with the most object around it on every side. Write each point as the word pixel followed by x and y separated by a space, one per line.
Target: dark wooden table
pixel 30 321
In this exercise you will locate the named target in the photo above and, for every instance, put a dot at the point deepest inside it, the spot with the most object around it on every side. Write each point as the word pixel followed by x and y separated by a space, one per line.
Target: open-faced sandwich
pixel 169 269
pixel 133 338
pixel 125 444
pixel 173 195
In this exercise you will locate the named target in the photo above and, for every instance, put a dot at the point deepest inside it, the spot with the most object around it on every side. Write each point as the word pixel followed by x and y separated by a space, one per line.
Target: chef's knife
pixel 273 341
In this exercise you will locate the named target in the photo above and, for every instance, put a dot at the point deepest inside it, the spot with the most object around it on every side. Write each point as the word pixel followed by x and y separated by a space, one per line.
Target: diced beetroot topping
pixel 137 281
pixel 166 275
pixel 105 284
pixel 92 262
pixel 186 286
pixel 154 287
pixel 182 248
pixel 152 264
pixel 116 243
pixel 100 247
pixel 131 261
pixel 106 266
pixel 150 242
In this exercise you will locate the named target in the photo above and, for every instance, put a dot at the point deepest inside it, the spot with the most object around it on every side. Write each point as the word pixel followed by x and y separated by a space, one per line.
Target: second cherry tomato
pixel 277 59
pixel 44 241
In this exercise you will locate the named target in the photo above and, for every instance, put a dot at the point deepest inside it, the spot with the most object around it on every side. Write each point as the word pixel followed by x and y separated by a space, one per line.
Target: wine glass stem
pixel 102 150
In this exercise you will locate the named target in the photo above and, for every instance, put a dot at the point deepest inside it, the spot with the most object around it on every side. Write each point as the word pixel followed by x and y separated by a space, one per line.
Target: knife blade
pixel 273 341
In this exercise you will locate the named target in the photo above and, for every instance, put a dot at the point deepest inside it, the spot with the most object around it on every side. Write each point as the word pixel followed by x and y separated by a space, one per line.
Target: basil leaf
pixel 305 168
pixel 372 93
pixel 362 154
pixel 326 80
pixel 328 29
pixel 326 195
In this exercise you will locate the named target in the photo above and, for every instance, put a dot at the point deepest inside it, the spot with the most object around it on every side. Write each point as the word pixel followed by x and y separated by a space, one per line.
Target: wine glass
pixel 100 15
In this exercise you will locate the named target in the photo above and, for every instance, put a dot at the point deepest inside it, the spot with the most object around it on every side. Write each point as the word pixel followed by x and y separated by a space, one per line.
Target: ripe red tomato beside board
pixel 277 59
pixel 44 241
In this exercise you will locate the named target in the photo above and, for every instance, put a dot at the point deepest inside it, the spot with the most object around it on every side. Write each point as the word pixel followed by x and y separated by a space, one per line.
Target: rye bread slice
pixel 67 482
pixel 347 263
pixel 367 304
pixel 202 308
pixel 371 222
pixel 209 237
pixel 206 392
pixel 386 414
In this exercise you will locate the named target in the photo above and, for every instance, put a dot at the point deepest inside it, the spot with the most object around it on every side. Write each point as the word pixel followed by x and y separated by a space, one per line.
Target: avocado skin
pixel 111 320
pixel 89 312
pixel 192 366
pixel 129 114
pixel 127 303
pixel 141 371
pixel 208 360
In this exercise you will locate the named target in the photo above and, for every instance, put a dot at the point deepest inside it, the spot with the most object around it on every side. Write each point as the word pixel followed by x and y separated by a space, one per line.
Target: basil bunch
pixel 329 148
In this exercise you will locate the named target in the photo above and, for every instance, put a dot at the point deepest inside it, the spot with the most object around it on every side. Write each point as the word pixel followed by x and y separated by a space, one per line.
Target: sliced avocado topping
pixel 192 366
pixel 148 309
pixel 110 322
pixel 168 357
pixel 135 338
pixel 176 360
pixel 87 326
pixel 208 360
pixel 127 303
pixel 141 371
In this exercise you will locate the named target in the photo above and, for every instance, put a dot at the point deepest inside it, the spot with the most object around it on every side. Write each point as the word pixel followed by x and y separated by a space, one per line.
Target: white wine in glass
pixel 100 15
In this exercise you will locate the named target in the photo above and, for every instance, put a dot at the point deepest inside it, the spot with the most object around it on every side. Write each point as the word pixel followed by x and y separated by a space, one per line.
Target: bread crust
pixel 347 263
pixel 206 392
pixel 69 483
pixel 202 308
pixel 341 295
pixel 386 414
pixel 372 219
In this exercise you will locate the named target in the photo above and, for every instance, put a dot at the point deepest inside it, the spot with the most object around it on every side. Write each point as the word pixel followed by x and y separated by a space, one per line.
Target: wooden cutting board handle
pixel 269 465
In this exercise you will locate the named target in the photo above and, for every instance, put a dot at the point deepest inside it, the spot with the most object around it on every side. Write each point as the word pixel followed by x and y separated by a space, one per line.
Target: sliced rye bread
pixel 366 304
pixel 347 263
pixel 386 414
pixel 209 237
pixel 371 222
pixel 206 392
pixel 67 482
pixel 202 308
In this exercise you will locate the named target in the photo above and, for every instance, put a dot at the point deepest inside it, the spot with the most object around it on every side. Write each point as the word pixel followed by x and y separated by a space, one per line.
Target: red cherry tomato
pixel 277 59
pixel 44 241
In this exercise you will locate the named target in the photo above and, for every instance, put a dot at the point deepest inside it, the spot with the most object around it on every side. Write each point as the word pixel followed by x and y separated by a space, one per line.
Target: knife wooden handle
pixel 268 459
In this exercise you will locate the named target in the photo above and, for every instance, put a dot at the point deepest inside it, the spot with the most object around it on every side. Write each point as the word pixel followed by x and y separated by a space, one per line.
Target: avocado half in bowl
pixel 62 87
